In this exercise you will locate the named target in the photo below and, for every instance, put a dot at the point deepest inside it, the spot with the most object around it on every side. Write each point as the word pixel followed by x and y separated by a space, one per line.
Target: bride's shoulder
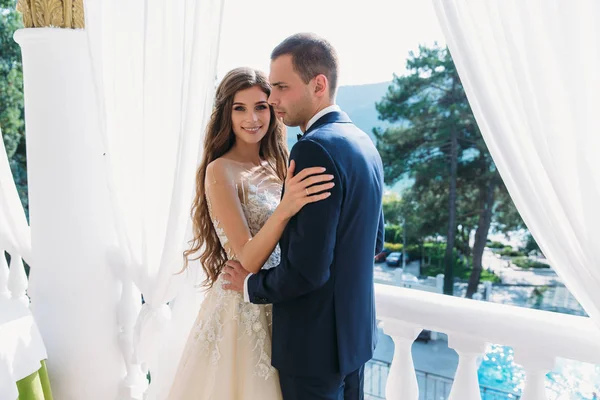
pixel 221 170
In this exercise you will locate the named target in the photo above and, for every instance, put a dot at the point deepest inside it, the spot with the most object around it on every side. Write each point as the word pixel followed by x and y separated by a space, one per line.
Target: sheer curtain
pixel 530 71
pixel 15 237
pixel 155 66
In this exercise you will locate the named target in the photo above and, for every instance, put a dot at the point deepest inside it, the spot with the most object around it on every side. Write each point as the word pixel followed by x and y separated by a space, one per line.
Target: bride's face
pixel 250 115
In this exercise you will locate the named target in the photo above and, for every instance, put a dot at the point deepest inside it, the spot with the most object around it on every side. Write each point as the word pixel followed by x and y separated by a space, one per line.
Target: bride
pixel 238 213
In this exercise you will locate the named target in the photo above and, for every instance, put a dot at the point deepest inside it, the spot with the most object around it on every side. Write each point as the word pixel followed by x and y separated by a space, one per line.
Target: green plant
pixel 462 265
pixel 487 275
pixel 393 233
pixel 510 252
pixel 526 263
pixel 538 295
pixel 393 247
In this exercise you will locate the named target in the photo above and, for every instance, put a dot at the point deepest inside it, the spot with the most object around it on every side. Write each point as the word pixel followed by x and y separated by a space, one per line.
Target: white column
pixel 439 283
pixel 488 290
pixel 466 382
pixel 74 294
pixel 537 364
pixel 402 379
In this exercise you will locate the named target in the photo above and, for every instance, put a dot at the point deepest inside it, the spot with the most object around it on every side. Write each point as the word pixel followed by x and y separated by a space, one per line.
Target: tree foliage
pixel 434 139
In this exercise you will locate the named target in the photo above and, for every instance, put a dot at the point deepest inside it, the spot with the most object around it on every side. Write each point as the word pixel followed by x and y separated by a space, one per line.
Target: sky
pixel 372 40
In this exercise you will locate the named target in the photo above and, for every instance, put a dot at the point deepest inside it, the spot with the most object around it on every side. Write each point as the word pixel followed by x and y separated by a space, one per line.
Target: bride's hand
pixel 309 186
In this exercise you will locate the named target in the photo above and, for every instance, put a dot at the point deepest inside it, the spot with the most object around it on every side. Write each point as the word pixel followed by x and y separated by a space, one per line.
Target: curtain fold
pixel 15 236
pixel 529 69
pixel 154 66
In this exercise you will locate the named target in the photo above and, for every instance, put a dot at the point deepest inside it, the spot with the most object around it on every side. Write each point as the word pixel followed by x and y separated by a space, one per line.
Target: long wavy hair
pixel 219 139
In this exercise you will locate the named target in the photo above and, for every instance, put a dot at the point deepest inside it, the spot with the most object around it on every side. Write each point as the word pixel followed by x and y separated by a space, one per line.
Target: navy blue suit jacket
pixel 322 291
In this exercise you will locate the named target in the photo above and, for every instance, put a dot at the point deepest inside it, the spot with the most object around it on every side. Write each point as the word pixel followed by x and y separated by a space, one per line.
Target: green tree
pixel 435 140
pixel 11 96
pixel 433 123
pixel 392 209
pixel 531 245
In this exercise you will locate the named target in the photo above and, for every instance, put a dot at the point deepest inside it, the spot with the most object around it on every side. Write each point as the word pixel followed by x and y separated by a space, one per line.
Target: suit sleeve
pixel 380 234
pixel 312 237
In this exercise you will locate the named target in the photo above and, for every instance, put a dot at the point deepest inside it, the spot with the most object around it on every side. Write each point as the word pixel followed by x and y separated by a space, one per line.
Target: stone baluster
pixel 466 381
pixel 537 364
pixel 402 379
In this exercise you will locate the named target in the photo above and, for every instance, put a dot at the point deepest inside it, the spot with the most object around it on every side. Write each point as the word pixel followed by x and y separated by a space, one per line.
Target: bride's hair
pixel 218 140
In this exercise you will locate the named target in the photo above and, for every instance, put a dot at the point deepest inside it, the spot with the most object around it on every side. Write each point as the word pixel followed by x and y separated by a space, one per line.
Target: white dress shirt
pixel 324 111
pixel 311 121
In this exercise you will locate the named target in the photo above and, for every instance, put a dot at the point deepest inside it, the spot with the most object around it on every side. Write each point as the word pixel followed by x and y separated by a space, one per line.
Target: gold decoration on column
pixel 78 16
pixel 25 10
pixel 68 13
pixel 52 13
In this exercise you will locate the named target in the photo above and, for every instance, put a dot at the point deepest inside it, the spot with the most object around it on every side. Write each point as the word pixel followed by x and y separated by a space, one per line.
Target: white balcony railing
pixel 537 337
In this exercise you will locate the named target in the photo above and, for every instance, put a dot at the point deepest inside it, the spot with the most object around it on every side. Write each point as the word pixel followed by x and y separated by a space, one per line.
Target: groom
pixel 324 328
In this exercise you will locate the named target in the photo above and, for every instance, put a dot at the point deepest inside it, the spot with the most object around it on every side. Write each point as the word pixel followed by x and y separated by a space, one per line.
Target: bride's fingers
pixel 309 182
pixel 317 197
pixel 306 172
pixel 319 188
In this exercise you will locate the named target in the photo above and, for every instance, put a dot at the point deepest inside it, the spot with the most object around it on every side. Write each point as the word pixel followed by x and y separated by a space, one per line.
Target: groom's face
pixel 290 97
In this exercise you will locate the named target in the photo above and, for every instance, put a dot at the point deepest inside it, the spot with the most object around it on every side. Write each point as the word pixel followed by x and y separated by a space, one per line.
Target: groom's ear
pixel 321 85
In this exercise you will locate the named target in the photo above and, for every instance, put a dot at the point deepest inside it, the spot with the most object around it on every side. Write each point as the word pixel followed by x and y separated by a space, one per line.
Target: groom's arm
pixel 312 236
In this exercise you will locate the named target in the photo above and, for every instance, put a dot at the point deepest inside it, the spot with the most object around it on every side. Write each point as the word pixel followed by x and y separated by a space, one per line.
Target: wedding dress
pixel 228 353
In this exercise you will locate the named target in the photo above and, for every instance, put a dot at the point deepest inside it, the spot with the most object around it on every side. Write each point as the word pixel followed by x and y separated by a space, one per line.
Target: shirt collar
pixel 324 111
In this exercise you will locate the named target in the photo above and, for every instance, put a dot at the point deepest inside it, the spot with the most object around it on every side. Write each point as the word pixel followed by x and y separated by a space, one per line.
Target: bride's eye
pixel 238 108
pixel 261 107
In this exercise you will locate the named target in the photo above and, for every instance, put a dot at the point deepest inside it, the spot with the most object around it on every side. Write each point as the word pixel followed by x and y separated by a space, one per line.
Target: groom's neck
pixel 322 107
pixel 317 110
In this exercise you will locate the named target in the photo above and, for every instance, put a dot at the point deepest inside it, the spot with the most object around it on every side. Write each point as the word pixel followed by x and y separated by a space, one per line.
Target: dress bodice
pixel 259 192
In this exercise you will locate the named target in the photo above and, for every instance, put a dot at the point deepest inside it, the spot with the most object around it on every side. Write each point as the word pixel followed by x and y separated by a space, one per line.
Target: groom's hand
pixel 235 274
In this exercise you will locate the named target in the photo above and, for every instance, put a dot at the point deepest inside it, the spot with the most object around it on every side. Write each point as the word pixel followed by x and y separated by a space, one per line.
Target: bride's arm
pixel 253 252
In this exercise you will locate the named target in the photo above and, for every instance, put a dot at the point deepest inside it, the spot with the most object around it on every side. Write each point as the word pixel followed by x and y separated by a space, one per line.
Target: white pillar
pixel 488 290
pixel 74 293
pixel 466 382
pixel 536 364
pixel 439 283
pixel 402 380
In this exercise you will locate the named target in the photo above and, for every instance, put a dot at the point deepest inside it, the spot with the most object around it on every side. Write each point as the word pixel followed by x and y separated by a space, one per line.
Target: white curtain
pixel 530 71
pixel 15 237
pixel 155 66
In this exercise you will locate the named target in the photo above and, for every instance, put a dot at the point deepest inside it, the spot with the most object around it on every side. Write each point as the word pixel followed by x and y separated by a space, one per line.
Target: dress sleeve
pixel 226 208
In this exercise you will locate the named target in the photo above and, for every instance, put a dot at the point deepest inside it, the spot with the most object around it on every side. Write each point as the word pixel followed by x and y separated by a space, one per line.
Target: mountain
pixel 359 103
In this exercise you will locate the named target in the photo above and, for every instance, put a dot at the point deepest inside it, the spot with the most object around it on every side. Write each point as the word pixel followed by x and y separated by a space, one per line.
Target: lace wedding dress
pixel 228 353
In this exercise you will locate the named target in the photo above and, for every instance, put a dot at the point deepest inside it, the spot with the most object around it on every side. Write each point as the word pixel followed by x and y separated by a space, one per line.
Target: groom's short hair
pixel 311 55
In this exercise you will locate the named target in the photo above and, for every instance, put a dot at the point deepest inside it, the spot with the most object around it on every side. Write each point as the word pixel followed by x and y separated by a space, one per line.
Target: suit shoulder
pixel 312 143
